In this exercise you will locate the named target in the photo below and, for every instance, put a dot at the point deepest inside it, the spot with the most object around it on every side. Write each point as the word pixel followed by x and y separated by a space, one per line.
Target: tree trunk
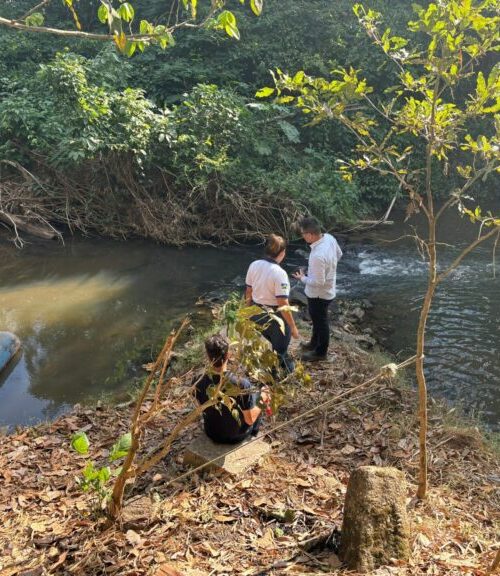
pixel 422 390
pixel 116 502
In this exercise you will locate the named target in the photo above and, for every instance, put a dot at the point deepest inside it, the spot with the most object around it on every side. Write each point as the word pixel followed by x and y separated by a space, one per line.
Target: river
pixel 463 331
pixel 89 312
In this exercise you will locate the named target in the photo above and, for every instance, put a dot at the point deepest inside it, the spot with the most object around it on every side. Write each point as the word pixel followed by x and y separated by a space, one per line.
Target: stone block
pixel 232 458
pixel 138 512
pixel 375 529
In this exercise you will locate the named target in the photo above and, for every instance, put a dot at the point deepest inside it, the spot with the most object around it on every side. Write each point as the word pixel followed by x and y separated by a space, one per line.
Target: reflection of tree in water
pixel 63 323
pixel 10 367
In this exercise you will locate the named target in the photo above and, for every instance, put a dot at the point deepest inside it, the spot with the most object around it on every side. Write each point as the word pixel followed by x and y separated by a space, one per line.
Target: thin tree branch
pixel 494 255
pixel 445 206
pixel 16 25
pixel 35 8
pixel 464 253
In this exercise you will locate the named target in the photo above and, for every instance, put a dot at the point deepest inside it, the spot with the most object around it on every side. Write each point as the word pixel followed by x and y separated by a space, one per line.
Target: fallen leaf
pixel 133 538
pixel 166 570
pixel 266 541
pixel 38 527
pixel 223 518
pixel 423 540
pixel 302 482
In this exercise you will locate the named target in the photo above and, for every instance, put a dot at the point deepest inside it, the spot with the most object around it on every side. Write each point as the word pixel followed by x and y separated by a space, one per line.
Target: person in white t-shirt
pixel 320 285
pixel 268 286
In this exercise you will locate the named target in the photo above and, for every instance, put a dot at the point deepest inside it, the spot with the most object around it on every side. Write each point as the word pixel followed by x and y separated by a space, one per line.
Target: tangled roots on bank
pixel 116 204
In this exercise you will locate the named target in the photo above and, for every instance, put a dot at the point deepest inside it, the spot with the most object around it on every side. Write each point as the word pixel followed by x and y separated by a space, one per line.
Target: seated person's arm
pixel 251 415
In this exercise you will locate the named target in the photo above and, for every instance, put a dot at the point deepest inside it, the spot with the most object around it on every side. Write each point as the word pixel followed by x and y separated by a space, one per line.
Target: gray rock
pixel 365 340
pixel 297 294
pixel 358 313
pixel 302 253
pixel 375 529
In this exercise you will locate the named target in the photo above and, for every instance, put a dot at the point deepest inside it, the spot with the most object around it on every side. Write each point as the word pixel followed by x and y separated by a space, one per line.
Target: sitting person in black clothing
pixel 219 423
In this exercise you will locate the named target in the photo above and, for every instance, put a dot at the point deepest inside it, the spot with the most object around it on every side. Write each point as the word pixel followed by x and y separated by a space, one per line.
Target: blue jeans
pixel 278 340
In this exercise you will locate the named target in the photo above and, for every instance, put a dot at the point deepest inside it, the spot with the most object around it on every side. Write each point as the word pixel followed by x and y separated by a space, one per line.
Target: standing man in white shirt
pixel 320 285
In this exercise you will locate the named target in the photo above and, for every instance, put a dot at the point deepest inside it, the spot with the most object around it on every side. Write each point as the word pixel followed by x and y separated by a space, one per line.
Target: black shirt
pixel 220 424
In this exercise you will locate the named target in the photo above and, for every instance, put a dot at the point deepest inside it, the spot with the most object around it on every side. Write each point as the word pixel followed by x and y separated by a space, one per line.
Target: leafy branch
pixel 117 17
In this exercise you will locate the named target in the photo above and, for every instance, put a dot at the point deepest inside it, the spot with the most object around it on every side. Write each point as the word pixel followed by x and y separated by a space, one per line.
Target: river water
pixel 463 335
pixel 89 312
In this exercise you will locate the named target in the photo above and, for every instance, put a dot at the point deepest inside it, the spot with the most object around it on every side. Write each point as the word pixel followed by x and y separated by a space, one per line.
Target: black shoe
pixel 313 357
pixel 307 346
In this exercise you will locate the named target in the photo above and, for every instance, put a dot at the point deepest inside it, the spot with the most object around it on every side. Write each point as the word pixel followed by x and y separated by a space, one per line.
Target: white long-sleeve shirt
pixel 321 275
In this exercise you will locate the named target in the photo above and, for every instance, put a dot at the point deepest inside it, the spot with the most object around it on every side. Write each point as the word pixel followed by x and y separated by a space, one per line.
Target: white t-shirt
pixel 268 281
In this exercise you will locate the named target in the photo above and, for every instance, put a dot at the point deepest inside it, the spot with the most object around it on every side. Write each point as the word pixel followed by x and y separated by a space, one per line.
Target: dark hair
pixel 274 245
pixel 310 225
pixel 217 348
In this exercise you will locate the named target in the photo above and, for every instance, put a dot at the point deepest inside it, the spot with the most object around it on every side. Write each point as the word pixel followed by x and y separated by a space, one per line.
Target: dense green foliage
pixel 188 115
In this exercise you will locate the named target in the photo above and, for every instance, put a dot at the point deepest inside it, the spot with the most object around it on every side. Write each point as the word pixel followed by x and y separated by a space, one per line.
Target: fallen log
pixel 18 223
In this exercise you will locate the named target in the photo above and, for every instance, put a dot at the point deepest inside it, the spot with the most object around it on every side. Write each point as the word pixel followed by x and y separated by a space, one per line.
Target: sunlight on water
pixel 70 300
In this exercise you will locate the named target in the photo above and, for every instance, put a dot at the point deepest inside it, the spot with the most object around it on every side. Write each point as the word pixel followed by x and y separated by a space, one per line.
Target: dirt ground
pixel 278 518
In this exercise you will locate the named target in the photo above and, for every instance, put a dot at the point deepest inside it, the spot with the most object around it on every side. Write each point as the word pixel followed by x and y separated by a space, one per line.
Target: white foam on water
pixel 372 264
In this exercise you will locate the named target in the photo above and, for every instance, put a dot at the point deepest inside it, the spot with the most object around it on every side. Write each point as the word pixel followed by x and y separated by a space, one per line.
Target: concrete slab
pixel 203 450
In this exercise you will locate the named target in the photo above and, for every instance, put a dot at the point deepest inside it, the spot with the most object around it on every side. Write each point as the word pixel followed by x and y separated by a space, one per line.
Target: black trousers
pixel 320 338
pixel 278 340
pixel 252 430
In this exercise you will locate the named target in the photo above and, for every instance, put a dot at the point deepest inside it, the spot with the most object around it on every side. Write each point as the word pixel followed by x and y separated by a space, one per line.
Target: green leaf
pixel 80 442
pixel 482 90
pixel 89 472
pixel 130 48
pixel 145 27
pixel 35 19
pixel 256 6
pixel 103 475
pixel 232 31
pixel 102 13
pixel 299 77
pixel 227 21
pixel 121 447
pixel 264 92
pixel 126 12
pixel 290 131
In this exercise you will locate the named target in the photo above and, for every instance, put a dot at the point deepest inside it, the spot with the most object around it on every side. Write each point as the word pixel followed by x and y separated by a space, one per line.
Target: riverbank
pixel 273 520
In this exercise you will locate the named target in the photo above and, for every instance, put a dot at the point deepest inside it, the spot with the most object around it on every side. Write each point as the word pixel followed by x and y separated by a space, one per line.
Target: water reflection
pixel 82 311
